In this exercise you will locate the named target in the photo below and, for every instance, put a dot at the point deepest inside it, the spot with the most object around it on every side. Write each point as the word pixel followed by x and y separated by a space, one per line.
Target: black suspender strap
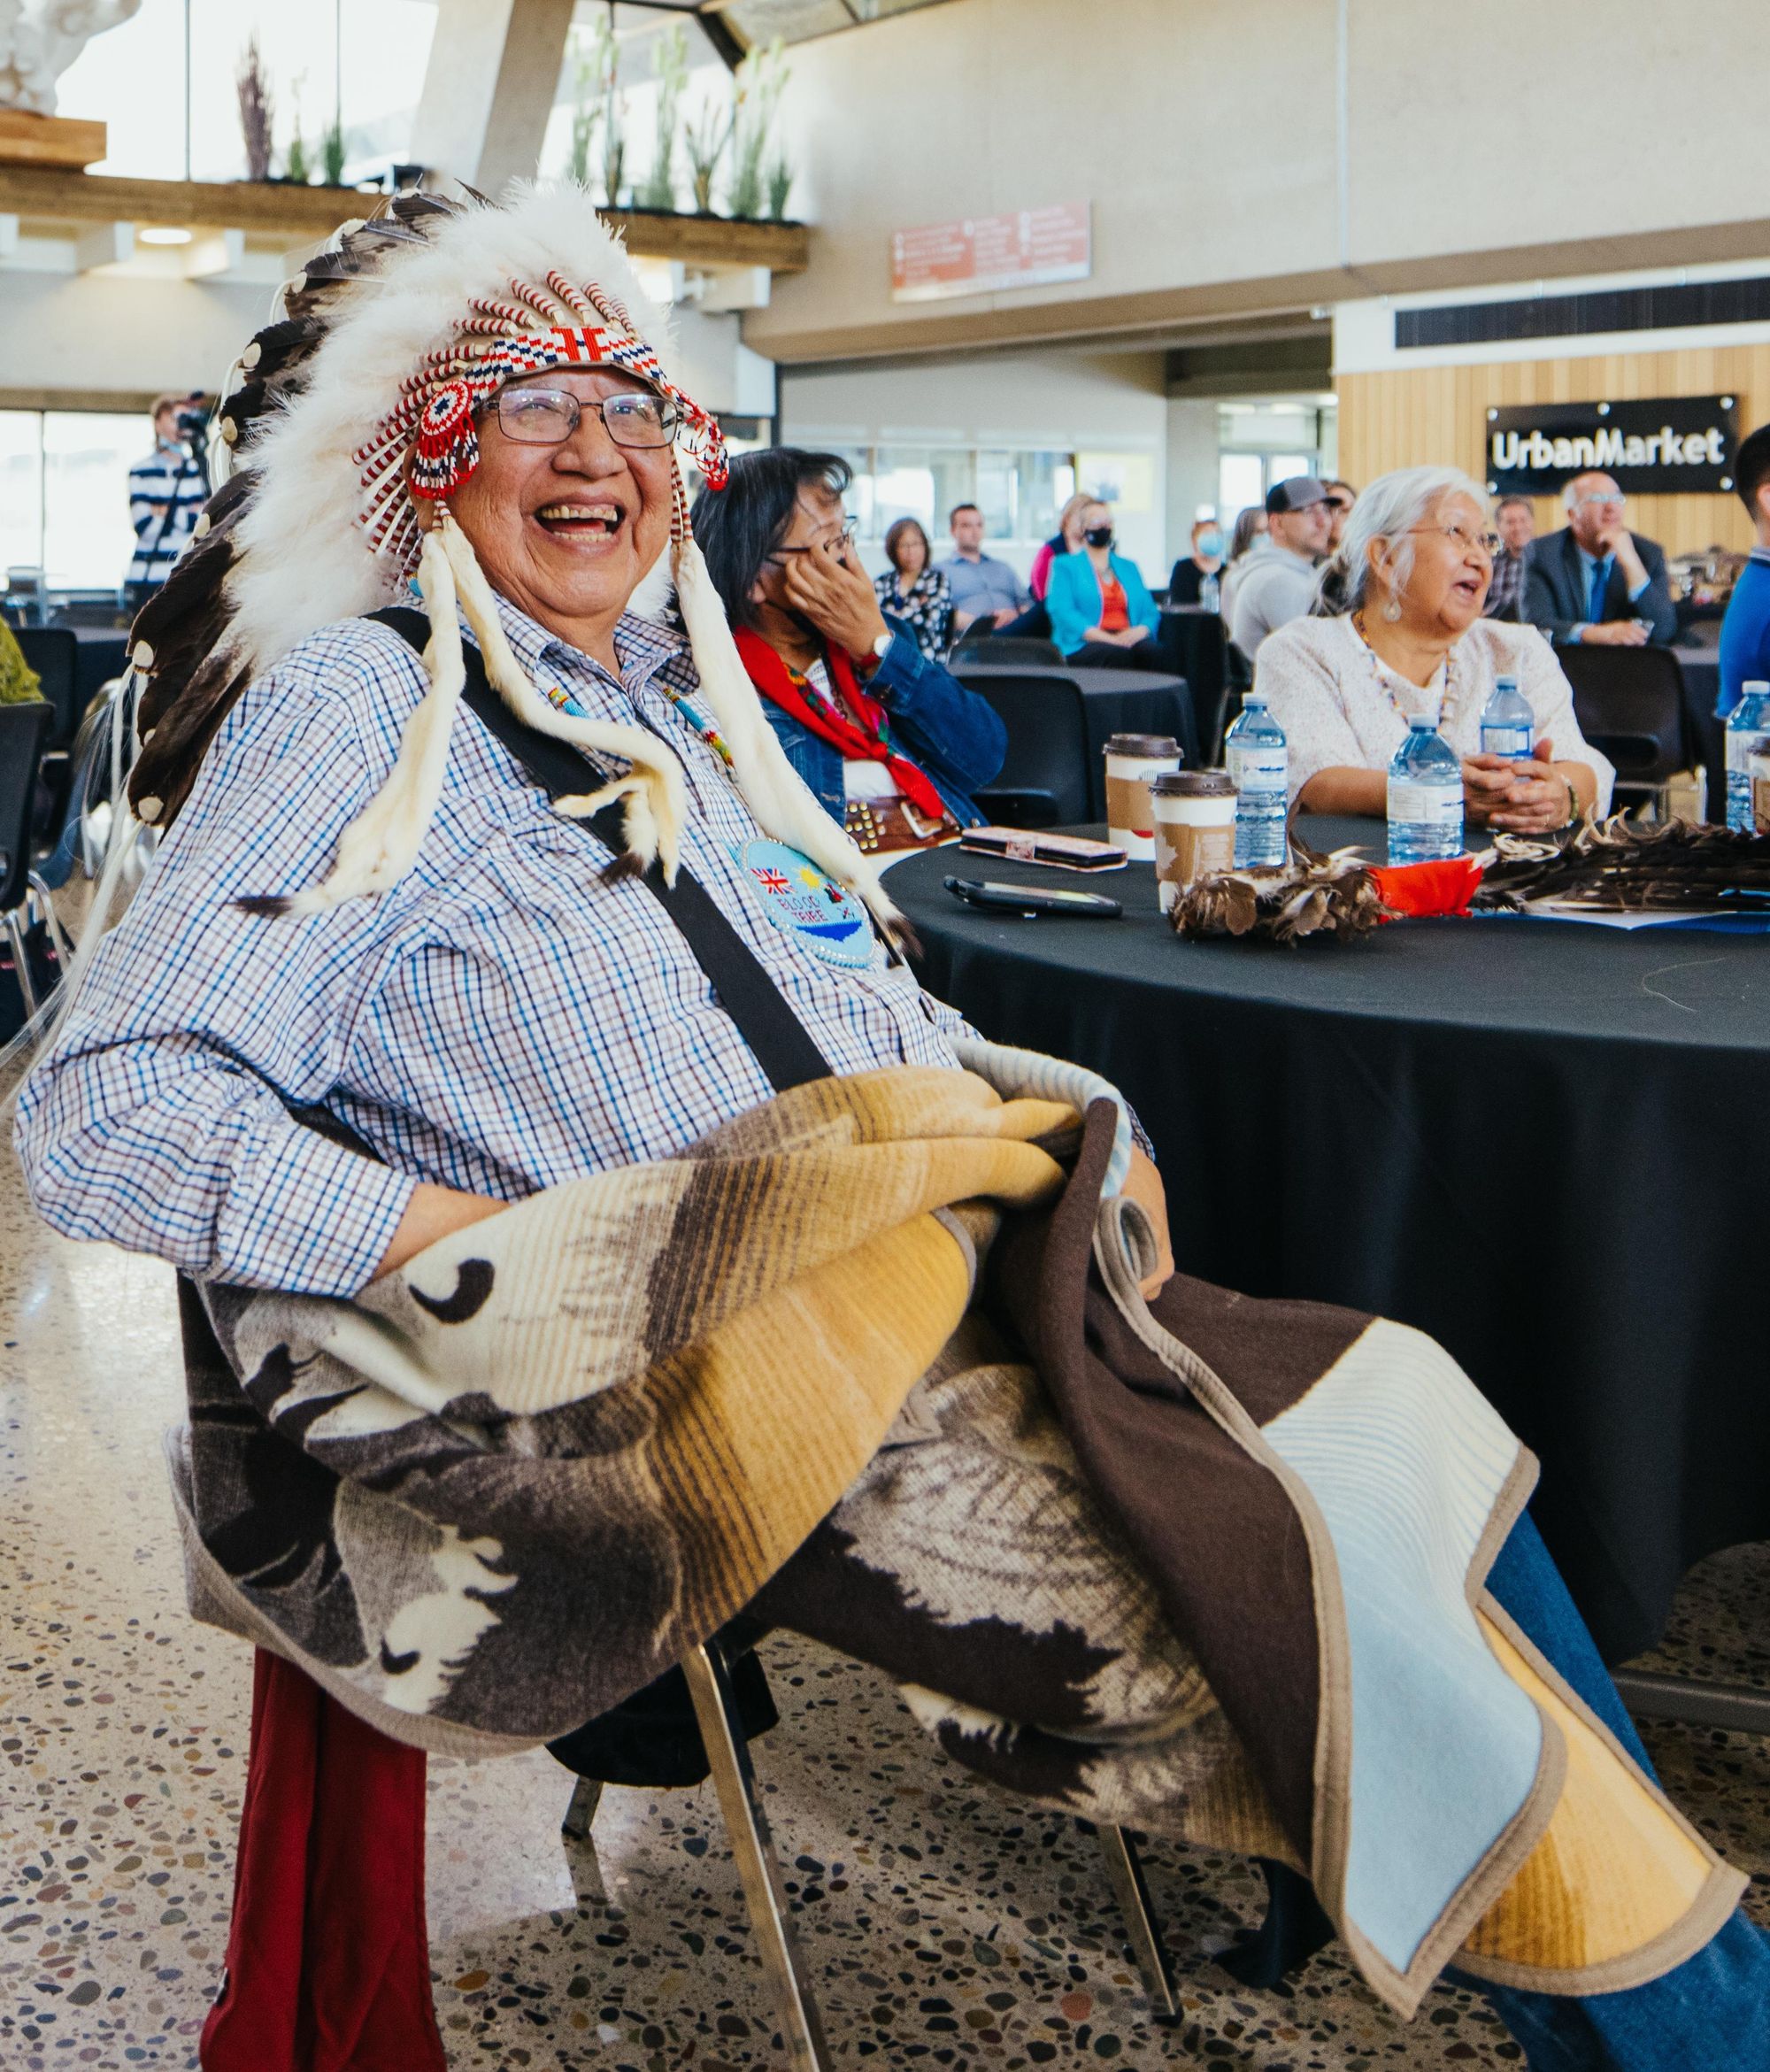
pixel 782 1044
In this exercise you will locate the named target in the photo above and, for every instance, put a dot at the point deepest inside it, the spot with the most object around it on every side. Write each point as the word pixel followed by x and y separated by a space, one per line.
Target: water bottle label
pixel 1513 743
pixel 1436 805
pixel 1258 769
pixel 1739 813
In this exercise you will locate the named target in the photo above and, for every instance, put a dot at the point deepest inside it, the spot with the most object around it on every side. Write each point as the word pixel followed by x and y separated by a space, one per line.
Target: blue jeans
pixel 1713 2012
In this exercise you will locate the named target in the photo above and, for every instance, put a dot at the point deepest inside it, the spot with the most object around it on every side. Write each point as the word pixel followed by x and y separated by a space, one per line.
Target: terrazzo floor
pixel 940 1922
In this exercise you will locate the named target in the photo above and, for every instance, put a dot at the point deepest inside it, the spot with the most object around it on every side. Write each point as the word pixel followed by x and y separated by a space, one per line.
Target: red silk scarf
pixel 864 740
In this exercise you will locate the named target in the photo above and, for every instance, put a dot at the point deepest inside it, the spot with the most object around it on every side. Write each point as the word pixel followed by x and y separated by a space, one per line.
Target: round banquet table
pixel 1115 701
pixel 1544 1143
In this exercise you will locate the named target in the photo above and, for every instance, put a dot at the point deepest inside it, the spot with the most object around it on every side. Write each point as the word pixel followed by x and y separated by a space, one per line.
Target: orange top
pixel 1115 613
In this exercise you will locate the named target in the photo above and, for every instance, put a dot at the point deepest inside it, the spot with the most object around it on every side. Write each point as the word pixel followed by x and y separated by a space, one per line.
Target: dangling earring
pixel 1392 610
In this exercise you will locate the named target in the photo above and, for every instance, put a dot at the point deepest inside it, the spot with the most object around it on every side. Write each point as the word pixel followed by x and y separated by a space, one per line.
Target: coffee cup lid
pixel 1146 745
pixel 1192 784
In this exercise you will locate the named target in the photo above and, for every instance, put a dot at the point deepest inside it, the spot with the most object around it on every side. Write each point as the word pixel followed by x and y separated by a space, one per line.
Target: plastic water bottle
pixel 1255 754
pixel 1210 593
pixel 1425 796
pixel 1508 724
pixel 1747 731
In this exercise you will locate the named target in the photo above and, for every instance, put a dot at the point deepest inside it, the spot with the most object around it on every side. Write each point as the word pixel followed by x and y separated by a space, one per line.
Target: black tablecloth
pixel 1117 701
pixel 1543 1143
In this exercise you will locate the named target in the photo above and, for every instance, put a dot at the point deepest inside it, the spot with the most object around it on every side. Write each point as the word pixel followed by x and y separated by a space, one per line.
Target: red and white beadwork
pixel 496 343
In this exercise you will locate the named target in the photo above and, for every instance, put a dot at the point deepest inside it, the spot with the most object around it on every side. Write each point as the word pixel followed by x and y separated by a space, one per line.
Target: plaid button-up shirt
pixel 504 1019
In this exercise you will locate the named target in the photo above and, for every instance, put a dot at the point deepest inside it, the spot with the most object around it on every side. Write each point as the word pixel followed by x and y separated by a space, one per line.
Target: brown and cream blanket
pixel 872 1357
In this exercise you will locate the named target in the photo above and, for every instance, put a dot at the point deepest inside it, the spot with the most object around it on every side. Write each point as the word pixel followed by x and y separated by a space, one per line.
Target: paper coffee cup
pixel 1132 760
pixel 1195 831
pixel 1758 767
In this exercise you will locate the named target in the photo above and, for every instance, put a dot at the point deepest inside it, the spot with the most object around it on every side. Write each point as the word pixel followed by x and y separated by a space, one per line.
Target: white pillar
pixel 493 67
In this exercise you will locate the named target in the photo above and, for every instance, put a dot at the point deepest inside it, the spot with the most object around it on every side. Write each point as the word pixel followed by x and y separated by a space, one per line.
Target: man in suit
pixel 1594 581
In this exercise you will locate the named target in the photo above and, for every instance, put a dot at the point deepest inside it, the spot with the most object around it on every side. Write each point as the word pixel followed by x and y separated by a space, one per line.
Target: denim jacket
pixel 954 734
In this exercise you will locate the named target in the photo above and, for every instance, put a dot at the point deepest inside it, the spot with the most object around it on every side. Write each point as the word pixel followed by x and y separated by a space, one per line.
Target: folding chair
pixel 1044 783
pixel 1630 705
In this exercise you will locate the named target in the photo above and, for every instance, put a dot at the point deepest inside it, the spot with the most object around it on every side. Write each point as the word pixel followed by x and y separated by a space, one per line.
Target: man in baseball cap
pixel 1281 586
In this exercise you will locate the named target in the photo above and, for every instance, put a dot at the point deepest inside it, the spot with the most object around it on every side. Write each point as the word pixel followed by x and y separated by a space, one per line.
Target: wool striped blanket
pixel 881 1338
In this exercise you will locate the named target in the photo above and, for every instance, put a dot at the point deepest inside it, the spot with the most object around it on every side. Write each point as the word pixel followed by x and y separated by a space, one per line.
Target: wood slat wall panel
pixel 1418 415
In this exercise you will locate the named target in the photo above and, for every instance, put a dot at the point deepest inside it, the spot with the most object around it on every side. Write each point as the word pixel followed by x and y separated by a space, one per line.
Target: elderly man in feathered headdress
pixel 592 1233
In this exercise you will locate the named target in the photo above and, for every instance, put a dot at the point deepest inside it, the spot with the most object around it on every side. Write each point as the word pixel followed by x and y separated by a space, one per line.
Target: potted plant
pixel 603 68
pixel 586 113
pixel 332 153
pixel 258 109
pixel 671 58
pixel 760 78
pixel 706 136
pixel 780 186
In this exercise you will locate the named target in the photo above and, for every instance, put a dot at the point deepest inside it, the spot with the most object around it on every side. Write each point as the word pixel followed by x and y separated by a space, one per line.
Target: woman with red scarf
pixel 892 743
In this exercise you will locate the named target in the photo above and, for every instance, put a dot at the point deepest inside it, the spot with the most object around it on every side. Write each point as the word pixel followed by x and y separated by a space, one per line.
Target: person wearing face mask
pixel 1101 610
pixel 1202 567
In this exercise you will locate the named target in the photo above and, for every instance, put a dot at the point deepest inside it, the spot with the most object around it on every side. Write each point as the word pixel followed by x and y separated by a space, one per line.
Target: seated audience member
pixel 1065 540
pixel 507 1025
pixel 20 683
pixel 1203 564
pixel 912 589
pixel 1329 601
pixel 1745 631
pixel 1248 540
pixel 1515 523
pixel 1281 586
pixel 1101 610
pixel 1341 498
pixel 892 743
pixel 981 586
pixel 1415 563
pixel 1593 580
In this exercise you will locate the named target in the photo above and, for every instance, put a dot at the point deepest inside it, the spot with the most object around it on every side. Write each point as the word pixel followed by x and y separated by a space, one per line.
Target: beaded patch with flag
pixel 804 903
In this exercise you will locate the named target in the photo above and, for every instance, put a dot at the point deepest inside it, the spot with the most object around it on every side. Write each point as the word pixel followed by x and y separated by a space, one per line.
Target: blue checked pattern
pixel 503 1020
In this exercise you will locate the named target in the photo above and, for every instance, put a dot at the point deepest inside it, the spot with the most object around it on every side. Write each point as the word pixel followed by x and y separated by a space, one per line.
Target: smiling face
pixel 565 532
pixel 1448 584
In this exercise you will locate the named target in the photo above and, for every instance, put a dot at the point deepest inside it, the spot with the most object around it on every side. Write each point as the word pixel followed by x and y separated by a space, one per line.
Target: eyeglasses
pixel 548 417
pixel 1487 544
pixel 1339 503
pixel 1611 499
pixel 843 538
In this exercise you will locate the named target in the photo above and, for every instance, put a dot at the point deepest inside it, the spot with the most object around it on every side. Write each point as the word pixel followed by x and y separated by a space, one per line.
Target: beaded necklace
pixel 1450 699
pixel 563 700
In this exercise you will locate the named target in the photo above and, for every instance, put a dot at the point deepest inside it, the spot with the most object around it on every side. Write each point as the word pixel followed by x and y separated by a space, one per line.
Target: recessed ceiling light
pixel 166 236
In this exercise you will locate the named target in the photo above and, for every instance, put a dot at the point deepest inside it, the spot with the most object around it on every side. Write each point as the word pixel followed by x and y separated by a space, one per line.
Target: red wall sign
pixel 1029 248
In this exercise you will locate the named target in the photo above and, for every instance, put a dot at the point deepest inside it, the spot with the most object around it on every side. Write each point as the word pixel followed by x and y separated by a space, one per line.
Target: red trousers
pixel 328 1961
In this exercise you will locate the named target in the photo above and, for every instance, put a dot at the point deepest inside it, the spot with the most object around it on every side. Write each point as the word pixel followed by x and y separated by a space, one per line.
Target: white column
pixel 494 65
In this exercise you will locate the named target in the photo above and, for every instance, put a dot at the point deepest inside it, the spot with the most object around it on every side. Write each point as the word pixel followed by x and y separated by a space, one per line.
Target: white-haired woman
pixel 1414 568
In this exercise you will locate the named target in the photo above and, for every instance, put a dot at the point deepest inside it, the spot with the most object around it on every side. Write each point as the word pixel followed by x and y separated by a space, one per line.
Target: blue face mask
pixel 1210 543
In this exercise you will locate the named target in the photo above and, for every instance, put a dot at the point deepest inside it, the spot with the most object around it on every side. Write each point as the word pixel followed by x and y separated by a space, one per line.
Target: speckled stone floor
pixel 940 1922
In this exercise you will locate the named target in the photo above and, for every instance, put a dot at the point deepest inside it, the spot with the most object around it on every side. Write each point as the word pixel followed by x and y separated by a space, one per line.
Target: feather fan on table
pixel 1333 894
pixel 1619 866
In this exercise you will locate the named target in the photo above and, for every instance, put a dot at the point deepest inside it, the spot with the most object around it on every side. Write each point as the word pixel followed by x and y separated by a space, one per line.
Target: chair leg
pixel 1124 1867
pixel 728 1753
pixel 1735 1706
pixel 21 963
pixel 587 1795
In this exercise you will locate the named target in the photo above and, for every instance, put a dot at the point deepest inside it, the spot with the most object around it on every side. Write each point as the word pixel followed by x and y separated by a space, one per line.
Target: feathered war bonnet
pixel 359 402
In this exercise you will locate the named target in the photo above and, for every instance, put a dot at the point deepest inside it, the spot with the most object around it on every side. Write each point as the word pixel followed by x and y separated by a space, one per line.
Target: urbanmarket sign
pixel 1662 446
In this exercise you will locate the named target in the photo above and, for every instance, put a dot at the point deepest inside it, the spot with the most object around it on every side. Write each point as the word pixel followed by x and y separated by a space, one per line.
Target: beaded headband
pixel 498 343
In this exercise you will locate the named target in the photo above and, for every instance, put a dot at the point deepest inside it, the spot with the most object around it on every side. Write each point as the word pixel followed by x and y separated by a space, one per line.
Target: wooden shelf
pixel 264 208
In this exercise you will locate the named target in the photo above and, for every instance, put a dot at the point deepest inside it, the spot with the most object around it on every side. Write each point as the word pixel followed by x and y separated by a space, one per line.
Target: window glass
pixel 922 483
pixel 858 498
pixel 21 509
pixel 1045 483
pixel 1240 482
pixel 87 454
pixel 1282 466
pixel 997 480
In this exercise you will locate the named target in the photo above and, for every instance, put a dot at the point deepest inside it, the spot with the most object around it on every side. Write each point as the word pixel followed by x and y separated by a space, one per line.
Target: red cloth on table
pixel 1425 889
pixel 328 1960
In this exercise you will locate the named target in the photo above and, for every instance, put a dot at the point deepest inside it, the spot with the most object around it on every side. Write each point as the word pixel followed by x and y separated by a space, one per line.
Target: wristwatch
pixel 881 647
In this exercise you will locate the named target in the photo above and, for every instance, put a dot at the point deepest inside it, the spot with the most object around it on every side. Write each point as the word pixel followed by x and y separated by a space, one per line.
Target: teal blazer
pixel 1073 598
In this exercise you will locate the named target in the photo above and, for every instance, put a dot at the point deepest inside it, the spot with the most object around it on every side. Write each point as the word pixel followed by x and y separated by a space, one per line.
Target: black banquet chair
pixel 23 730
pixel 1630 705
pixel 1043 782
